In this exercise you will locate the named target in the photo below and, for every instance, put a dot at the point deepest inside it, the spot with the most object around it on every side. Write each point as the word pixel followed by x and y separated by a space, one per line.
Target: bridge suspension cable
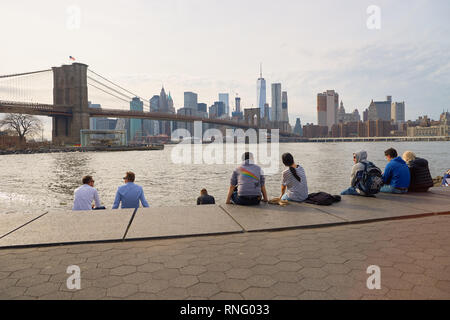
pixel 146 101
pixel 23 74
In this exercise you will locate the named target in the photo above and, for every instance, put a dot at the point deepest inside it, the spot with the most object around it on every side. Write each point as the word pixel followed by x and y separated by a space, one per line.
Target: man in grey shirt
pixel 247 183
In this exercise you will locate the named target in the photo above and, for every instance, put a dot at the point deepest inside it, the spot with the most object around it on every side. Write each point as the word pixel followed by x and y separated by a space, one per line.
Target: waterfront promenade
pixel 227 252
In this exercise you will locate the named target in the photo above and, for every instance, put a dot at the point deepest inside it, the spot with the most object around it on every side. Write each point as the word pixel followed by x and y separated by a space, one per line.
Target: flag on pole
pixel 71 58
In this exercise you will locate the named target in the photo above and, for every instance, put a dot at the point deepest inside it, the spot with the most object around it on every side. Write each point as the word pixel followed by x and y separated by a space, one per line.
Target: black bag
pixel 322 199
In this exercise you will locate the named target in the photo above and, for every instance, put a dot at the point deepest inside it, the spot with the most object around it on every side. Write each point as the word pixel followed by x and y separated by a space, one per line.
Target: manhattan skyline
pixel 172 44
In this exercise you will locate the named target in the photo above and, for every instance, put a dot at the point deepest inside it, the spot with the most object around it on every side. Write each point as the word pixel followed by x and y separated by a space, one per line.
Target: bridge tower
pixel 70 90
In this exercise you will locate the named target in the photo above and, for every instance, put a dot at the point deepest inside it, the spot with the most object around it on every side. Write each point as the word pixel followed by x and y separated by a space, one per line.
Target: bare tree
pixel 22 124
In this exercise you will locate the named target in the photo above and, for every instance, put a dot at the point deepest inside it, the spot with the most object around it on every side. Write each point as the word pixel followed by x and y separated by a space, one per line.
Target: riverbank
pixel 164 222
pixel 82 149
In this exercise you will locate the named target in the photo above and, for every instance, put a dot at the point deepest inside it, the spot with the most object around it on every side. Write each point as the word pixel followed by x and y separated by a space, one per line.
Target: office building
pixel 398 112
pixel 93 121
pixel 380 110
pixel 276 102
pixel 284 107
pixel 343 117
pixel 190 100
pixel 217 110
pixel 327 108
pixel 261 94
pixel 225 98
pixel 136 124
pixel 298 130
pixel 202 107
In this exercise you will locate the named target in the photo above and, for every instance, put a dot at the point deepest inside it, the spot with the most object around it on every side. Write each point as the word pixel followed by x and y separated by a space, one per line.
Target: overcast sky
pixel 210 46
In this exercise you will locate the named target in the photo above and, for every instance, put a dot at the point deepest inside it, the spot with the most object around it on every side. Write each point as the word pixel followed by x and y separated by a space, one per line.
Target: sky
pixel 212 46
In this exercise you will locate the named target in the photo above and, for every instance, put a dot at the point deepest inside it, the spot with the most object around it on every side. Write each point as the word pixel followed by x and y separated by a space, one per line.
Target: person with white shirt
pixel 85 195
pixel 294 186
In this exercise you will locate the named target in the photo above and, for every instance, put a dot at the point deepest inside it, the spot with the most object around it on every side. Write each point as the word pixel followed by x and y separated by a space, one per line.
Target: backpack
pixel 322 199
pixel 371 179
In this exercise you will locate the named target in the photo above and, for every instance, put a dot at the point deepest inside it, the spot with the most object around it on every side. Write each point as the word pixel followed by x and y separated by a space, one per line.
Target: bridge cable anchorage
pixel 118 85
pixel 23 74
pixel 111 94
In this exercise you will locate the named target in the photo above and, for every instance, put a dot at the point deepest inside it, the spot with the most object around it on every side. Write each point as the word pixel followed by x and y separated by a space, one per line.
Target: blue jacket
pixel 130 194
pixel 397 174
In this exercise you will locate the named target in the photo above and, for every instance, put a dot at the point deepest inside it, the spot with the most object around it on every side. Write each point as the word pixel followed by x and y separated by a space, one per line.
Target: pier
pixel 300 251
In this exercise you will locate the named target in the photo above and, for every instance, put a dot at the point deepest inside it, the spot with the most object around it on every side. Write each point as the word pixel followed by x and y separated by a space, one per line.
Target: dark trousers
pixel 245 201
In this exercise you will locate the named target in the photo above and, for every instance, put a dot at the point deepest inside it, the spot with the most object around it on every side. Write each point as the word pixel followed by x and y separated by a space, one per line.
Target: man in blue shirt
pixel 130 194
pixel 396 175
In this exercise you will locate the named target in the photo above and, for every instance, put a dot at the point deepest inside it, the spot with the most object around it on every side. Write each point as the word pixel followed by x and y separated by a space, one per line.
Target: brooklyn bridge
pixel 70 111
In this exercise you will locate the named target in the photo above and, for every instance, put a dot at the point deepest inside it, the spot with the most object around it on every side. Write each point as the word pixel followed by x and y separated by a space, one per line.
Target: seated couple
pixel 247 185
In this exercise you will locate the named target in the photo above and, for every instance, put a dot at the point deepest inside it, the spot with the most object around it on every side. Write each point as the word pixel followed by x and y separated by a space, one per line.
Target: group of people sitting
pixel 247 183
pixel 401 175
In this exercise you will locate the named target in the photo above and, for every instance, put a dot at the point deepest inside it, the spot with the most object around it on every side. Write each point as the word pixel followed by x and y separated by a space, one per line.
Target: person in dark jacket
pixel 396 176
pixel 421 179
pixel 205 198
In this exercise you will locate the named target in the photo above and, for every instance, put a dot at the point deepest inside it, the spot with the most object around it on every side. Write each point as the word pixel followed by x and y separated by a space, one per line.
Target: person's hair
pixel 247 156
pixel 409 156
pixel 204 191
pixel 391 152
pixel 87 179
pixel 130 176
pixel 288 161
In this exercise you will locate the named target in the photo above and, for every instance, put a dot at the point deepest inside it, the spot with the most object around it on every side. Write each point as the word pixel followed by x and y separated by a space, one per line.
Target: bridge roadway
pixel 54 110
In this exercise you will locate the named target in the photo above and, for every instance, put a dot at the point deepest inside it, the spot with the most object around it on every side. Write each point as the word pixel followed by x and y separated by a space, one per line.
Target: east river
pixel 38 183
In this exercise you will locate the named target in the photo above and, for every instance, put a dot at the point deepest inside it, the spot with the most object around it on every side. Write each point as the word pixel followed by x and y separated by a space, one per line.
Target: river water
pixel 45 182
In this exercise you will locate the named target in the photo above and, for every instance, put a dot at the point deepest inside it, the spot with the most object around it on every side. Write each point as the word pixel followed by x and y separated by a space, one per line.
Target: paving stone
pixel 154 286
pixel 212 277
pixel 204 290
pixel 122 290
pixel 183 281
pixel 227 296
pixel 90 293
pixel 258 294
pixel 261 281
pixel 288 289
pixel 41 289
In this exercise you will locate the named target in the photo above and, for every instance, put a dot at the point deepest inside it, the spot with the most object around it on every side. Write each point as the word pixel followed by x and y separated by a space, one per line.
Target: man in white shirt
pixel 85 195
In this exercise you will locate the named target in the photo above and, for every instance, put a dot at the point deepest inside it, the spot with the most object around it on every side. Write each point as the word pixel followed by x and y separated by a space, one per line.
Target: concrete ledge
pixel 117 225
pixel 71 227
pixel 181 221
pixel 271 217
pixel 12 222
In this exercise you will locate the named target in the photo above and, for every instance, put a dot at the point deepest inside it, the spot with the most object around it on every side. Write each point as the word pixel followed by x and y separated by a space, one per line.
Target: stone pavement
pixel 321 263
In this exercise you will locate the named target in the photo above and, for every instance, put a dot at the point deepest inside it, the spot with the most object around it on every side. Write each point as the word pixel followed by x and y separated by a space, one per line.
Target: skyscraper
pixel 225 98
pixel 327 108
pixel 261 93
pixel 190 100
pixel 136 124
pixel 380 110
pixel 276 102
pixel 284 107
pixel 298 127
pixel 398 112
